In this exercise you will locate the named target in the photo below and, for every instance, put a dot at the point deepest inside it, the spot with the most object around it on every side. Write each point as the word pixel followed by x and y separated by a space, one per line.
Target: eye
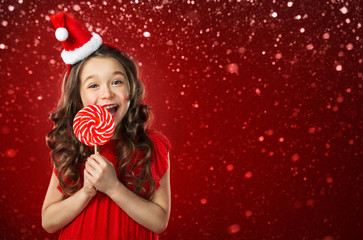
pixel 93 85
pixel 117 82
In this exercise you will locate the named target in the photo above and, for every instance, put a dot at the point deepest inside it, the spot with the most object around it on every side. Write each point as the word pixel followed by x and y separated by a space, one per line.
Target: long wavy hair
pixel 68 154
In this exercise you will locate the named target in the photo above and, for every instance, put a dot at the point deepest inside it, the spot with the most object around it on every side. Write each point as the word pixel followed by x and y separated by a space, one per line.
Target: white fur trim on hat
pixel 78 54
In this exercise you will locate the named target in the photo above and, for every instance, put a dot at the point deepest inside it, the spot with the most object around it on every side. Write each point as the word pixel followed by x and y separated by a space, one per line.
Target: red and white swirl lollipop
pixel 93 125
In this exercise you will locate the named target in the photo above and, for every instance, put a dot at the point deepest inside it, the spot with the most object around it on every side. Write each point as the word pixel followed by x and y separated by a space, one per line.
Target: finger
pixel 90 170
pixel 105 159
pixel 101 160
pixel 92 163
pixel 95 159
pixel 88 177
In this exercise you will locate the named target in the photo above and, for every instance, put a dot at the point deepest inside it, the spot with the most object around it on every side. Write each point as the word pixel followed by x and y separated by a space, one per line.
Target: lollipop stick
pixel 95 148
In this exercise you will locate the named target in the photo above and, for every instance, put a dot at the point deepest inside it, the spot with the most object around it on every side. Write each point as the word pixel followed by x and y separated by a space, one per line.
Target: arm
pixel 153 214
pixel 57 211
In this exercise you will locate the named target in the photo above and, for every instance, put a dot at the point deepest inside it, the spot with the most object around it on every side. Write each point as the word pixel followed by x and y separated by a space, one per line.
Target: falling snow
pixel 260 100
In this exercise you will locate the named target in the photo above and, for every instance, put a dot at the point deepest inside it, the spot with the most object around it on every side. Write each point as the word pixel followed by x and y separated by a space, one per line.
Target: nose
pixel 106 92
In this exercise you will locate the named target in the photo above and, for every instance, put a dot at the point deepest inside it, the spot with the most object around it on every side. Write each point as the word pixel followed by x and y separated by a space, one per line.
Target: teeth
pixel 110 106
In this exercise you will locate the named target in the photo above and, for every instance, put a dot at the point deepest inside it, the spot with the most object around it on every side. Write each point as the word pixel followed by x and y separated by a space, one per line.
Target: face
pixel 104 82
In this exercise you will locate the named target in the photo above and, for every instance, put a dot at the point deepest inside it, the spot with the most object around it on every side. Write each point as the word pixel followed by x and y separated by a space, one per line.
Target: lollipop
pixel 93 125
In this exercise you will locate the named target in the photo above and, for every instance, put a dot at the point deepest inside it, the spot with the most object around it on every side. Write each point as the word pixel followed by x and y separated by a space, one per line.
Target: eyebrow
pixel 119 72
pixel 114 73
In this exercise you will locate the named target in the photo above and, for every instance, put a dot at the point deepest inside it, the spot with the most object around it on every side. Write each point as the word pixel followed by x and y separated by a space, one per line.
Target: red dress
pixel 104 219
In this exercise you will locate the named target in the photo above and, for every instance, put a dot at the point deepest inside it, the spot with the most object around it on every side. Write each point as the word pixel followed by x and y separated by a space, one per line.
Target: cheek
pixel 87 99
pixel 126 107
pixel 126 95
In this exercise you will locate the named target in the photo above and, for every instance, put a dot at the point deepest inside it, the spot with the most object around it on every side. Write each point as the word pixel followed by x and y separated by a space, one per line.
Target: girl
pixel 123 191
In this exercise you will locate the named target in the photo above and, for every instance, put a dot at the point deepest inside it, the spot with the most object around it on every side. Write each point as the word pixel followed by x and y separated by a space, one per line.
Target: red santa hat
pixel 77 41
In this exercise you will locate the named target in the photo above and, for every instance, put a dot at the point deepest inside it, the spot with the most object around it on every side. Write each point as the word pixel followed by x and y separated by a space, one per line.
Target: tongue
pixel 111 110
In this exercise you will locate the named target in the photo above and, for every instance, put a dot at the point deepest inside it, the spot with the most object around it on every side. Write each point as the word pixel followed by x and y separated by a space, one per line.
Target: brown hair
pixel 68 153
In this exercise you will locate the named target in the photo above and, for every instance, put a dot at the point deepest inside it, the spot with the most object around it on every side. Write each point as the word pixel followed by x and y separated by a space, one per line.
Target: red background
pixel 260 100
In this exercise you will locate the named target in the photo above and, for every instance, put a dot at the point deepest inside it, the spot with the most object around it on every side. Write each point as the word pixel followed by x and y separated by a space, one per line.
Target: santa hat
pixel 77 41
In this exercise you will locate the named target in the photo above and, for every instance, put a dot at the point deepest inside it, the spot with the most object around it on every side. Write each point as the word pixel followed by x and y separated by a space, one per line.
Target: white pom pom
pixel 61 34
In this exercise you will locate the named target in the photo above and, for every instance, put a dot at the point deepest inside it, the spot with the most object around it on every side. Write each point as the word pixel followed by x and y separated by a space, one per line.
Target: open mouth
pixel 112 108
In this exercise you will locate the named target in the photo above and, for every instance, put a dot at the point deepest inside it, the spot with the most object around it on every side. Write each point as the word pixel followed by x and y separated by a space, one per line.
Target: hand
pixel 100 173
pixel 88 188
